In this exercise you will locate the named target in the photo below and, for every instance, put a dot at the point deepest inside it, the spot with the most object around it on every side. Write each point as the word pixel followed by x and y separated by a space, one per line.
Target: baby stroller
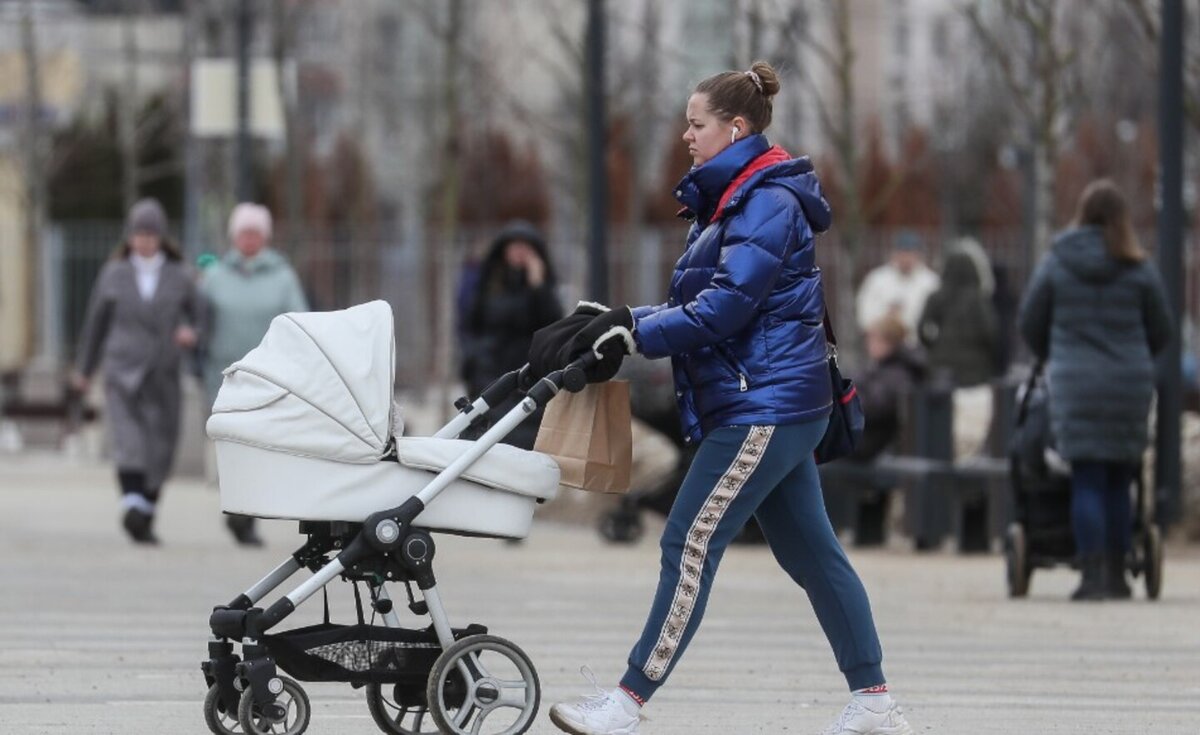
pixel 1039 535
pixel 303 431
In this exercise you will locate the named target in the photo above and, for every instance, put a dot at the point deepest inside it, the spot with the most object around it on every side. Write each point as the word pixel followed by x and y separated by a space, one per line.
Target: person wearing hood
pixel 247 288
pixel 959 326
pixel 742 325
pixel 1096 313
pixel 516 294
pixel 143 314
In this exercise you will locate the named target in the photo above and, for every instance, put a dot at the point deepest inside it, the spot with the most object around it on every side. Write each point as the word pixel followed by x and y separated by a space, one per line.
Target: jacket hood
pixel 702 188
pixel 1082 251
pixel 267 259
pixel 513 231
pixel 960 272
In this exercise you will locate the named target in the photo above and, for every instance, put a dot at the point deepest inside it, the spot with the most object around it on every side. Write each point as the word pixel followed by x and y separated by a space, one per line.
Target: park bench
pixel 967 498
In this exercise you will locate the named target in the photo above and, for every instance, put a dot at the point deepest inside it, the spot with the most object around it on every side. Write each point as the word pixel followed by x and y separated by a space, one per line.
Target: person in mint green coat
pixel 247 288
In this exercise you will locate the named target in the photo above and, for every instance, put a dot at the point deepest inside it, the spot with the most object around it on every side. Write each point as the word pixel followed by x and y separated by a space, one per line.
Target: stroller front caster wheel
pixel 221 720
pixel 294 712
pixel 398 714
pixel 483 685
pixel 621 526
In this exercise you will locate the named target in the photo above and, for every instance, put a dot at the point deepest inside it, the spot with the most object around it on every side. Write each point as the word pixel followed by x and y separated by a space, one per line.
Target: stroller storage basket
pixel 359 654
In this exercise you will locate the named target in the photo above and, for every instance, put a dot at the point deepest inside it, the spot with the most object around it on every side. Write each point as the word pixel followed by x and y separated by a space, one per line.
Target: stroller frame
pixel 385 548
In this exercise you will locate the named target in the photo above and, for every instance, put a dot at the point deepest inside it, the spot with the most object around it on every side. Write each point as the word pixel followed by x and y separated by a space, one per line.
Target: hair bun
pixel 768 77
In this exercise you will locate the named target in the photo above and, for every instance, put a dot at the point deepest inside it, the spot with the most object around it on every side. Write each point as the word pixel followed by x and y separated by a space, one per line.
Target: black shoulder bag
pixel 846 421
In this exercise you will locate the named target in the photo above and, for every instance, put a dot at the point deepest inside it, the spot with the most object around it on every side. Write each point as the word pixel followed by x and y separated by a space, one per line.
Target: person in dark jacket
pixel 1096 312
pixel 144 312
pixel 743 328
pixel 515 295
pixel 959 326
pixel 894 373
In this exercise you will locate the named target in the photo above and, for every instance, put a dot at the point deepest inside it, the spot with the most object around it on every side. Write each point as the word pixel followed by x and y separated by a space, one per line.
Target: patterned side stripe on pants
pixel 695 548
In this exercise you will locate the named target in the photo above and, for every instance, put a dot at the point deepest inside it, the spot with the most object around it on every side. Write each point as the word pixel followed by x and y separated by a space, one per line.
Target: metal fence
pixel 418 277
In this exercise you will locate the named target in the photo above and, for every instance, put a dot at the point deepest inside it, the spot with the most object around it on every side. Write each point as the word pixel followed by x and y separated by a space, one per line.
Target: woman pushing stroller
pixel 743 327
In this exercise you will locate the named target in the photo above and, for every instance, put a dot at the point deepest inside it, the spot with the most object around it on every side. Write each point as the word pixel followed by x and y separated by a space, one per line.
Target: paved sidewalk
pixel 98 636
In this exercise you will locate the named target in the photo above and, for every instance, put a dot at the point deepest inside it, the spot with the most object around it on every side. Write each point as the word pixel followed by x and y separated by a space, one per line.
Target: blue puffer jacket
pixel 743 324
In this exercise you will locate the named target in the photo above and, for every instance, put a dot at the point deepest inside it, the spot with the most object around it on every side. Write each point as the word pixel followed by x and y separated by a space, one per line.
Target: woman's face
pixel 249 242
pixel 145 244
pixel 518 252
pixel 879 346
pixel 706 134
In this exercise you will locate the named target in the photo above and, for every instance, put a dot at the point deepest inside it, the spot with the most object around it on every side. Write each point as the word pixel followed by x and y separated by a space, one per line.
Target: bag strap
pixel 830 337
pixel 1030 384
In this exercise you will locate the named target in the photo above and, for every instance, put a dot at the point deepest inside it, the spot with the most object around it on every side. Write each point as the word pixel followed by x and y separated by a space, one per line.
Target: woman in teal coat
pixel 251 285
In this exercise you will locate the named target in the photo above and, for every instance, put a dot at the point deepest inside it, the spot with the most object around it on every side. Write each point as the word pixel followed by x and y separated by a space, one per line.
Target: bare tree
pixel 286 18
pixel 35 174
pixel 1146 14
pixel 1025 41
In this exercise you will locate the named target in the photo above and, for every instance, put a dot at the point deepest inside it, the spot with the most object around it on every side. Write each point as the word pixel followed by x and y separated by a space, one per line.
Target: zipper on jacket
pixel 743 381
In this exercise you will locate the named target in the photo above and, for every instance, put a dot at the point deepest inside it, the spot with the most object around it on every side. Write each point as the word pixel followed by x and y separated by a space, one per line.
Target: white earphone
pixel 733 136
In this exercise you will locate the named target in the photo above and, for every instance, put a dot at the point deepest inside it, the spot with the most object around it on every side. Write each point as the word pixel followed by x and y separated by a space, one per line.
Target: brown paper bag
pixel 588 434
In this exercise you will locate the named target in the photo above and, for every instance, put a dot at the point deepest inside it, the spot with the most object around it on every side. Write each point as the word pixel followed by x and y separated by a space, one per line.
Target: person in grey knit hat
pixel 144 311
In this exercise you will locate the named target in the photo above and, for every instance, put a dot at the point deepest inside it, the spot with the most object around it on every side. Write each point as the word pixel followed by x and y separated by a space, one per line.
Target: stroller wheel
pixel 1016 557
pixel 483 685
pixel 1153 560
pixel 621 526
pixel 293 702
pixel 398 717
pixel 220 719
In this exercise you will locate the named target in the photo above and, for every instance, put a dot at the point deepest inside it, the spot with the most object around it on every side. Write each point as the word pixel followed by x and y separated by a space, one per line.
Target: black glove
pixel 549 341
pixel 609 336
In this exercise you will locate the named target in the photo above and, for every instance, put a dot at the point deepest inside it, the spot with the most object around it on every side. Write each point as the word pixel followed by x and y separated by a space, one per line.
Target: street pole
pixel 1167 471
pixel 597 173
pixel 244 186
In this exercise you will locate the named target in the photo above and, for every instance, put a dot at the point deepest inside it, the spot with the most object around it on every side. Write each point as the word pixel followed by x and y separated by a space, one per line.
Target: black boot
pixel 1116 583
pixel 139 527
pixel 243 530
pixel 1092 587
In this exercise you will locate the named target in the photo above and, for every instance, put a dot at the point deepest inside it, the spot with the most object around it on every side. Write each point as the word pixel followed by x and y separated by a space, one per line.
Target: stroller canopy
pixel 318 385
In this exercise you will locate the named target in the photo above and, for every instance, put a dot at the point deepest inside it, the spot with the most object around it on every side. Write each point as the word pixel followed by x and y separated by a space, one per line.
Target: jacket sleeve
pixel 752 256
pixel 195 308
pixel 1036 309
pixel 96 324
pixel 1156 314
pixel 929 326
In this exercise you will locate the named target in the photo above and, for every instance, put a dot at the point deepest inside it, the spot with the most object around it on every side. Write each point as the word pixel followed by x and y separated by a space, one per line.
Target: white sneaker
pixel 858 720
pixel 607 712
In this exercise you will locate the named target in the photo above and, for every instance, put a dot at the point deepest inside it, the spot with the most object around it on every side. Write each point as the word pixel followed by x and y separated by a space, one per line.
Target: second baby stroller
pixel 1039 535
pixel 303 427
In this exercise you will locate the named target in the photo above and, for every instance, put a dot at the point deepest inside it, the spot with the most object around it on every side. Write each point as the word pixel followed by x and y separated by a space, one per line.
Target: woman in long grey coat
pixel 251 285
pixel 1096 312
pixel 144 311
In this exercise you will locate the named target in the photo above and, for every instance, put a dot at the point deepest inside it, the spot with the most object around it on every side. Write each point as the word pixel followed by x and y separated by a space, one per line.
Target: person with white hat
pixel 247 288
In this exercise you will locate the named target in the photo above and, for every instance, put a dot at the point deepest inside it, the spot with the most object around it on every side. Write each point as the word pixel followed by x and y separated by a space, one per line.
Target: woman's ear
pixel 741 126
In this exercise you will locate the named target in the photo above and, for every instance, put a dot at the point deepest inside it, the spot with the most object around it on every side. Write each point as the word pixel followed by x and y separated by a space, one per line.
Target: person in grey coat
pixel 251 285
pixel 1096 312
pixel 144 311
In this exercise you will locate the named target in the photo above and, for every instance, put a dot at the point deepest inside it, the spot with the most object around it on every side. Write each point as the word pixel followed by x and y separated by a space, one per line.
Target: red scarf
pixel 769 157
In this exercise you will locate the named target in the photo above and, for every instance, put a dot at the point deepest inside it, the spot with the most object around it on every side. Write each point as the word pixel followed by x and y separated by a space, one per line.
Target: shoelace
pixel 851 711
pixel 592 701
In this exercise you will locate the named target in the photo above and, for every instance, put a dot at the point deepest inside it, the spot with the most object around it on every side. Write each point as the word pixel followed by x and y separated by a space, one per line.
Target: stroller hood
pixel 318 385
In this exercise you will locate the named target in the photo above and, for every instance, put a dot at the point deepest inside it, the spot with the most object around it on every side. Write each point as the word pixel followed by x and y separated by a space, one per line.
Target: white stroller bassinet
pixel 303 430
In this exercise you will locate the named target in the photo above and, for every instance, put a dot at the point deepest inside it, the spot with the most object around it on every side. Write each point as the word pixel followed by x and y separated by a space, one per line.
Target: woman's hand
pixel 535 271
pixel 185 336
